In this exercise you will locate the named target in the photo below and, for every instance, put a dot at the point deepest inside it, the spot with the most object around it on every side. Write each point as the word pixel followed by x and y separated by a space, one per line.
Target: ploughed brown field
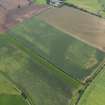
pixel 81 25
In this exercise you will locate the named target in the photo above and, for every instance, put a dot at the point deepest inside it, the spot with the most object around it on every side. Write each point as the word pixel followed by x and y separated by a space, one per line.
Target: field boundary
pixel 38 59
pixel 19 89
pixel 83 10
pixel 93 76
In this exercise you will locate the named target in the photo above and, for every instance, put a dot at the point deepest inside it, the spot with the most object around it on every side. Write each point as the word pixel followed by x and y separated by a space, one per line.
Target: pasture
pixel 40 83
pixel 94 94
pixel 70 55
pixel 11 100
pixel 7 87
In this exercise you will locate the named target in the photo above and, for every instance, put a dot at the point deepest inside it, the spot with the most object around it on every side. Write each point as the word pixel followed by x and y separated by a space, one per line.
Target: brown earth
pixel 10 14
pixel 19 15
pixel 12 4
pixel 78 24
pixel 2 18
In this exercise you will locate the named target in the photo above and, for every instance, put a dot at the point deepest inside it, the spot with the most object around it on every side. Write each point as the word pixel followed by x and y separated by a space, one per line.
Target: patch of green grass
pixel 95 93
pixel 12 100
pixel 9 93
pixel 70 55
pixel 7 87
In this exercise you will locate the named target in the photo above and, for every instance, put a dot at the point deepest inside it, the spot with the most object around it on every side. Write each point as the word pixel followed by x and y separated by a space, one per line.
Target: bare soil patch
pixel 12 4
pixel 81 25
pixel 10 14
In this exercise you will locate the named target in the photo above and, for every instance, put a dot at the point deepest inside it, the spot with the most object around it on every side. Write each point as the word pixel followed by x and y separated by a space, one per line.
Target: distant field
pixel 42 65
pixel 95 93
pixel 41 84
pixel 70 55
pixel 40 1
pixel 95 6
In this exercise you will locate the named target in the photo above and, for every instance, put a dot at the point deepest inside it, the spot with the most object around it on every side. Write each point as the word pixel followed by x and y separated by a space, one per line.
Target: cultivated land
pixel 80 25
pixel 40 84
pixel 70 55
pixel 94 6
pixel 6 86
pixel 95 93
pixel 47 62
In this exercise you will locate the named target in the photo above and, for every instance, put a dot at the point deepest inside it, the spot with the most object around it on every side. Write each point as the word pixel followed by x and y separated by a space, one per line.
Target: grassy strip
pixel 82 9
pixel 73 58
pixel 95 7
pixel 40 2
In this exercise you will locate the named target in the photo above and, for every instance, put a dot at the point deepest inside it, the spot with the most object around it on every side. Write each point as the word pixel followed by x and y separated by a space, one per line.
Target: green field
pixel 70 55
pixel 95 6
pixel 9 94
pixel 11 100
pixel 40 2
pixel 6 87
pixel 40 83
pixel 41 65
pixel 95 93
